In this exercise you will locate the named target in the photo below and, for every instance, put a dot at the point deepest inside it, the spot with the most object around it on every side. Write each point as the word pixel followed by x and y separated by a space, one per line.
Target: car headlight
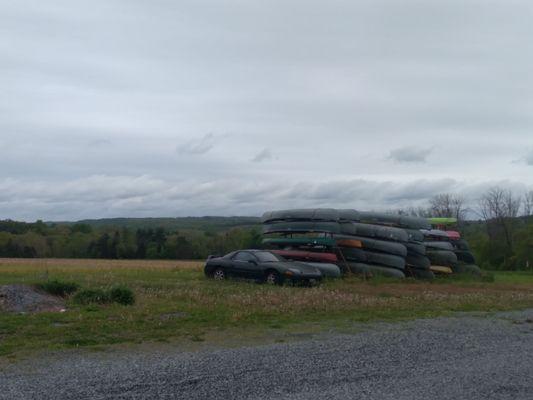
pixel 292 271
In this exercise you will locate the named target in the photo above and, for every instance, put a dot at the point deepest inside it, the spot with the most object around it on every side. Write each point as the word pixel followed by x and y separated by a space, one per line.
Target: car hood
pixel 299 266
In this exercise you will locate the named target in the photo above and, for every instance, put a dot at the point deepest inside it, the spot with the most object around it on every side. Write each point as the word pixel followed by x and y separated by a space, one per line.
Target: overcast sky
pixel 231 107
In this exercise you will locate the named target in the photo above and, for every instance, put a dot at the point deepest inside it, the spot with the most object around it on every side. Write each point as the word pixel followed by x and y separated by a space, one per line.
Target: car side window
pixel 244 256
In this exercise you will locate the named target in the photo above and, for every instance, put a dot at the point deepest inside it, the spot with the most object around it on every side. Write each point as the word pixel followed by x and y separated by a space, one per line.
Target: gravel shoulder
pixel 474 356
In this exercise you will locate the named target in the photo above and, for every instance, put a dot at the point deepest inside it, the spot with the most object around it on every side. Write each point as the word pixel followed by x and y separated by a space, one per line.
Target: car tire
pixel 272 278
pixel 219 274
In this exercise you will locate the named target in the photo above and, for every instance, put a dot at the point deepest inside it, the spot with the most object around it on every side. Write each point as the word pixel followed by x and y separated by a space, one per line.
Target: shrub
pixel 90 296
pixel 117 294
pixel 122 295
pixel 59 288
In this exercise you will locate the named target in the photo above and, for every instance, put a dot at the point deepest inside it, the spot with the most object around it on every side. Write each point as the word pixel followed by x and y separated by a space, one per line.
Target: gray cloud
pixel 263 155
pixel 150 196
pixel 331 87
pixel 529 158
pixel 98 142
pixel 409 154
pixel 197 146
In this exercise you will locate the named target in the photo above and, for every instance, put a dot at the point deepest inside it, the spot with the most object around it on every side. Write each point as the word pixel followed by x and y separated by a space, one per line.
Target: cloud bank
pixel 197 146
pixel 145 196
pixel 409 155
pixel 263 155
pixel 529 158
pixel 122 107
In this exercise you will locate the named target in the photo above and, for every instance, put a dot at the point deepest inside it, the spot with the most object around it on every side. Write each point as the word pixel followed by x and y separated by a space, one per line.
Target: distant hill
pixel 129 238
pixel 504 244
pixel 205 224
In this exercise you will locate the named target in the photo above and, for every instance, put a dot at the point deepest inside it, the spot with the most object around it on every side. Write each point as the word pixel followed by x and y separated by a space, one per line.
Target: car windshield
pixel 265 256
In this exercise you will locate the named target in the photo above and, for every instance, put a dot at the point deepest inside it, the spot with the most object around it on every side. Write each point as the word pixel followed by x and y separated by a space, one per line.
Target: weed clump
pixel 118 294
pixel 58 288
pixel 487 277
pixel 122 295
pixel 92 296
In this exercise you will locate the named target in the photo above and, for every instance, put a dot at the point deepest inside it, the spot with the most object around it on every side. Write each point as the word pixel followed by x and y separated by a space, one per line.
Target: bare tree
pixel 422 212
pixel 498 206
pixel 528 203
pixel 512 204
pixel 499 203
pixel 448 205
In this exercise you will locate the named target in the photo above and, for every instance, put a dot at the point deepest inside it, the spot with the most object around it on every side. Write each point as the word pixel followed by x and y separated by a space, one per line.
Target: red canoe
pixel 300 255
pixel 454 235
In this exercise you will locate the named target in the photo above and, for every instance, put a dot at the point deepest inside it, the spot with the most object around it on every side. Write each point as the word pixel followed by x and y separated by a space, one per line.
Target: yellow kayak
pixel 439 269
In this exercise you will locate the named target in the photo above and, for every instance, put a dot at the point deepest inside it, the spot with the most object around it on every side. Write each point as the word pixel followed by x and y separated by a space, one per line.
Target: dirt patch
pixel 26 299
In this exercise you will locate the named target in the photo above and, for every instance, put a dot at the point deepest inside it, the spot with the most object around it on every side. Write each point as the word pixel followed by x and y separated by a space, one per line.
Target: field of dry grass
pixel 61 263
pixel 176 302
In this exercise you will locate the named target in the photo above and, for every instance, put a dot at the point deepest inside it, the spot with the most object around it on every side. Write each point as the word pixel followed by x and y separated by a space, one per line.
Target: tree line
pixel 498 226
pixel 36 240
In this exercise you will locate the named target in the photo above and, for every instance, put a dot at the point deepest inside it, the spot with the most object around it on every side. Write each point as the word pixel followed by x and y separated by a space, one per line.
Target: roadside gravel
pixel 462 357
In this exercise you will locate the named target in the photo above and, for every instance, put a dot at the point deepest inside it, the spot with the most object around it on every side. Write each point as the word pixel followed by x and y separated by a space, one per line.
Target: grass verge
pixel 173 301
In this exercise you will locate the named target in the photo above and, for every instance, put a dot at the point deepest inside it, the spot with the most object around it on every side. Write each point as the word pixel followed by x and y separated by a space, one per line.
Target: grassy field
pixel 176 303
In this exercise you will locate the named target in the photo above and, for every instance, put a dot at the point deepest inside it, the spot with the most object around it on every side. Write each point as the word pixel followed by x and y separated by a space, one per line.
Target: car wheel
pixel 272 278
pixel 219 274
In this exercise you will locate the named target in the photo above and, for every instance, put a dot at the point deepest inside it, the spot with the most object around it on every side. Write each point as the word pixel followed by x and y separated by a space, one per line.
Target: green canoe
pixel 382 246
pixel 442 221
pixel 441 257
pixel 328 270
pixel 400 221
pixel 355 229
pixel 461 268
pixel 310 214
pixel 370 257
pixel 374 270
pixel 302 227
pixel 300 241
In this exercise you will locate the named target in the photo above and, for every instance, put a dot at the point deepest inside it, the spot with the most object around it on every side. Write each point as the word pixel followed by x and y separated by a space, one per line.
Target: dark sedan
pixel 262 266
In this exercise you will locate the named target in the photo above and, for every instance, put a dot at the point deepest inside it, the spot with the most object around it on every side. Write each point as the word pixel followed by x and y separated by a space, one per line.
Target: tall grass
pixel 174 301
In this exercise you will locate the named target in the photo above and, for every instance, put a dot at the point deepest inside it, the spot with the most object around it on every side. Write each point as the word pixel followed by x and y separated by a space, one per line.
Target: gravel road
pixel 462 357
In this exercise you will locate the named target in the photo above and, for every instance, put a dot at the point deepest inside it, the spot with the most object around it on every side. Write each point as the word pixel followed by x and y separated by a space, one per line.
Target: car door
pixel 245 264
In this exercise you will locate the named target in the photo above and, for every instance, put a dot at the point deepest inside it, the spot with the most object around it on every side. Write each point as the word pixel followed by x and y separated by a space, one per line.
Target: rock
pixel 27 299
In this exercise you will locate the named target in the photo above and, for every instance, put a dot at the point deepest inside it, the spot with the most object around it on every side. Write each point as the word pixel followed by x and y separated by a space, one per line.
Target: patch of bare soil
pixel 27 299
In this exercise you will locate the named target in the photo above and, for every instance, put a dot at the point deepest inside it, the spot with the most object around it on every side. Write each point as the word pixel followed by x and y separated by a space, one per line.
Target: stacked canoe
pixel 365 243
pixel 368 243
pixel 447 251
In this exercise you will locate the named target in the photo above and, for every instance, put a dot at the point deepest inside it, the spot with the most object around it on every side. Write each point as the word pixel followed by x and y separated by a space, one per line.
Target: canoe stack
pixel 365 243
pixel 447 251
